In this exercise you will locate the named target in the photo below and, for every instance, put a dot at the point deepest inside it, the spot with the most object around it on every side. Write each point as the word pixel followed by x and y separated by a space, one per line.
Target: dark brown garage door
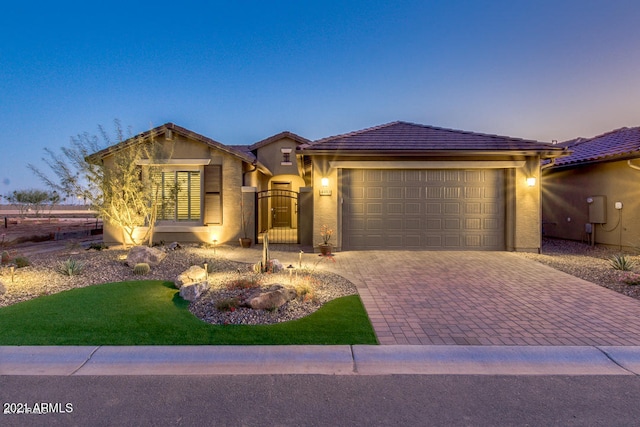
pixel 423 209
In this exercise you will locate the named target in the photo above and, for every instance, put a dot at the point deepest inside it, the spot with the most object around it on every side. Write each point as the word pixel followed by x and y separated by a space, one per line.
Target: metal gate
pixel 278 214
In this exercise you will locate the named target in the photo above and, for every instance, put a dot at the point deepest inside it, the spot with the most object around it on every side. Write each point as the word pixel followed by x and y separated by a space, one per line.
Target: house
pixel 593 194
pixel 395 186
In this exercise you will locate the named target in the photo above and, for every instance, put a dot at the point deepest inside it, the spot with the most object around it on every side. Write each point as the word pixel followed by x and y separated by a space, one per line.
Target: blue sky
pixel 240 71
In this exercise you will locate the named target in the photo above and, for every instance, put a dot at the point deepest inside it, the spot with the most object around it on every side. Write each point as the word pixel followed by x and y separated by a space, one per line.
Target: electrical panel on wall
pixel 597 209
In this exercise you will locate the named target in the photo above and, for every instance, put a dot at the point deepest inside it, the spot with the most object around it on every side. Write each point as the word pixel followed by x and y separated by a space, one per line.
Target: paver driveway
pixel 484 298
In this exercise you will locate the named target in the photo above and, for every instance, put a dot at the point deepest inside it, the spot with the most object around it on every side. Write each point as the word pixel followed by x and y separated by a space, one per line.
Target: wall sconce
pixel 324 189
pixel 531 181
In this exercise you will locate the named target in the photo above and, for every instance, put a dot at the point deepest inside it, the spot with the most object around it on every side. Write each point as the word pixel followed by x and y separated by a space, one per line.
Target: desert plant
pixel 21 261
pixel 70 267
pixel 227 304
pixel 141 269
pixel 98 246
pixel 244 282
pixel 621 262
pixel 631 278
pixel 5 257
pixel 325 234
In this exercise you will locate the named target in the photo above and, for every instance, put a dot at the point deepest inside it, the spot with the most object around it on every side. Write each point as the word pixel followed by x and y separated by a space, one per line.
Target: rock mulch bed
pixel 586 262
pixel 41 278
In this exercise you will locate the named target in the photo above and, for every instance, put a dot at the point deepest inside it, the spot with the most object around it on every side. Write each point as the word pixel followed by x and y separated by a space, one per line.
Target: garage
pixel 436 209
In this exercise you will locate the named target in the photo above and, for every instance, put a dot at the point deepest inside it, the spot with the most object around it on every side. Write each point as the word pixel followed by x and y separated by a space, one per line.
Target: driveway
pixel 484 298
pixel 475 298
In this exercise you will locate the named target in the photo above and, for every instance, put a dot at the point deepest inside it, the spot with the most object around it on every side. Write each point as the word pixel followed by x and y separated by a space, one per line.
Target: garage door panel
pixel 423 209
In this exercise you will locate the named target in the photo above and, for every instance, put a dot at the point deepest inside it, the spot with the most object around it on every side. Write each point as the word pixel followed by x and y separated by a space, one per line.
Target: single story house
pixel 395 186
pixel 593 194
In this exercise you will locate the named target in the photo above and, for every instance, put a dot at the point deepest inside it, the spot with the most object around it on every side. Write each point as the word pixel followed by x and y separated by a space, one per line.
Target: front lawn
pixel 152 313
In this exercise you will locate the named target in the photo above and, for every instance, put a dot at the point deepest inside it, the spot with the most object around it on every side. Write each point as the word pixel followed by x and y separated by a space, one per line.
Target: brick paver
pixel 484 298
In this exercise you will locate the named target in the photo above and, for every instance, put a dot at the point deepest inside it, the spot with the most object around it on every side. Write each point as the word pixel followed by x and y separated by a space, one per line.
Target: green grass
pixel 152 313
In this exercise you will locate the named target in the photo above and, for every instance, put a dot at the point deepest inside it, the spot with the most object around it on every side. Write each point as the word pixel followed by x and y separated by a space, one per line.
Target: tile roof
pixel 286 134
pixel 234 151
pixel 619 143
pixel 410 137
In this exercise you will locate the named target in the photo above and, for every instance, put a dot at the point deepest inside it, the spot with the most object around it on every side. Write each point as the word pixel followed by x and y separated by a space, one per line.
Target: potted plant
pixel 245 241
pixel 325 234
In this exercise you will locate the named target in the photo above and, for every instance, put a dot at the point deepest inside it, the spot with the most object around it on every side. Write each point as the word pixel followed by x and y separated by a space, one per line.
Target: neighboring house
pixel 394 186
pixel 593 195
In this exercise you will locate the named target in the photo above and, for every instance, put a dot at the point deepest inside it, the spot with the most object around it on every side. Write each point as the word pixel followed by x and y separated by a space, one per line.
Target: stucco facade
pixel 566 208
pixel 457 190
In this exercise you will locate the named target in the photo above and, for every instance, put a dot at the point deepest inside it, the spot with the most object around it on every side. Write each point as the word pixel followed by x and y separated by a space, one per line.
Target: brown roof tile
pixel 409 137
pixel 619 143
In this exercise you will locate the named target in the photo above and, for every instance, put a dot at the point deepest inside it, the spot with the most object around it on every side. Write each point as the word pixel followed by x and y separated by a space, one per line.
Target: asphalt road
pixel 314 400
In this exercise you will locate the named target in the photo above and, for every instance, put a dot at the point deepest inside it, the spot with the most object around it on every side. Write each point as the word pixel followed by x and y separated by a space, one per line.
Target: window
pixel 178 193
pixel 286 156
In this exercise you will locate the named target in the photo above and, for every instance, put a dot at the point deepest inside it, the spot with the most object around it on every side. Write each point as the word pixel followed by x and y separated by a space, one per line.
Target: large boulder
pixel 273 298
pixel 192 291
pixel 194 274
pixel 145 254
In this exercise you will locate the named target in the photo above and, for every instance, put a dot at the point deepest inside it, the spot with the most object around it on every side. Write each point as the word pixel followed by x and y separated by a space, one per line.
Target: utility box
pixel 597 209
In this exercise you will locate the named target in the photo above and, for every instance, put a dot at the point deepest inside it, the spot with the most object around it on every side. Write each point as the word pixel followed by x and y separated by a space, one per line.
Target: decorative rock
pixel 173 246
pixel 272 299
pixel 276 266
pixel 144 254
pixel 2 288
pixel 192 291
pixel 193 274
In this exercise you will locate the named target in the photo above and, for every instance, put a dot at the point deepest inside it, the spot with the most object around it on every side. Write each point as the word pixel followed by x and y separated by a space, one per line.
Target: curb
pixel 318 360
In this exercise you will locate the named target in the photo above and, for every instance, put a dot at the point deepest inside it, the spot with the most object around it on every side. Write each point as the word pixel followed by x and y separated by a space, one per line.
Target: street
pixel 300 400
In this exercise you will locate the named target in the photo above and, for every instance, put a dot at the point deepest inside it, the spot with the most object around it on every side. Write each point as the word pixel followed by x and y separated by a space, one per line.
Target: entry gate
pixel 277 214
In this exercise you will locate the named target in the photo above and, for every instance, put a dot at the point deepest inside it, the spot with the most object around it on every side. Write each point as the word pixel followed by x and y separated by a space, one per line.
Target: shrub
pixel 5 257
pixel 631 278
pixel 21 262
pixel 250 282
pixel 70 267
pixel 227 304
pixel 98 246
pixel 141 269
pixel 305 292
pixel 621 262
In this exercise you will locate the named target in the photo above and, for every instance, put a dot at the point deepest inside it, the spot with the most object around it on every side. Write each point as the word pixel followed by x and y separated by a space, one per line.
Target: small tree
pixel 114 184
pixel 33 200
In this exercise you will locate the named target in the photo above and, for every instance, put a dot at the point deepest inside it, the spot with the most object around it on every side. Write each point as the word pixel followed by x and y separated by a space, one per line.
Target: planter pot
pixel 325 249
pixel 245 242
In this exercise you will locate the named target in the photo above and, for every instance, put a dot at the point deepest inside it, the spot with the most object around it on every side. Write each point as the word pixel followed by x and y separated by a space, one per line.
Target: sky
pixel 241 71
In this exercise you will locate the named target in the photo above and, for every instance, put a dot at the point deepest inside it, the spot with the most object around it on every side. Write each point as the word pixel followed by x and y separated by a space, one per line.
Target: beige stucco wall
pixel 230 229
pixel 271 156
pixel 524 223
pixel 565 208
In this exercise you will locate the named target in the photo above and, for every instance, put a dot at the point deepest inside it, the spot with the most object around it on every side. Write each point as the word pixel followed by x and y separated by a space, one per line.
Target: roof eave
pixel 437 153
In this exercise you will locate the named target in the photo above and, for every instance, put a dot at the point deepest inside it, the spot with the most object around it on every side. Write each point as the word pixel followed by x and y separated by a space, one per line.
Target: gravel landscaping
pixel 41 278
pixel 314 288
pixel 589 263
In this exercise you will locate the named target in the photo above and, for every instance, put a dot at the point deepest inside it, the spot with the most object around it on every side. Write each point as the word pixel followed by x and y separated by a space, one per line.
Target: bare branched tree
pixel 113 184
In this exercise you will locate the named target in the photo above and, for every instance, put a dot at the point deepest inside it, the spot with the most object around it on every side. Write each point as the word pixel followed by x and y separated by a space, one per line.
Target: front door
pixel 281 204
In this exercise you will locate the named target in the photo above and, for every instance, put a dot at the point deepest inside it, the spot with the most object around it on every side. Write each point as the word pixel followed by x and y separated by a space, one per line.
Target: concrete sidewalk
pixel 322 360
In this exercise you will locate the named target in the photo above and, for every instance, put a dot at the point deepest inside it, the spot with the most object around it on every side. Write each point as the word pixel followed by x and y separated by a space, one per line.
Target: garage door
pixel 423 209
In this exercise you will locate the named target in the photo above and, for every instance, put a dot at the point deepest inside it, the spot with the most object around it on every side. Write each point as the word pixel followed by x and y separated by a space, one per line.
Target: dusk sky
pixel 241 71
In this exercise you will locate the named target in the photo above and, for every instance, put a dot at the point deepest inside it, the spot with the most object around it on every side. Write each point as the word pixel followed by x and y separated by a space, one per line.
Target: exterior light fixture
pixel 325 190
pixel 531 181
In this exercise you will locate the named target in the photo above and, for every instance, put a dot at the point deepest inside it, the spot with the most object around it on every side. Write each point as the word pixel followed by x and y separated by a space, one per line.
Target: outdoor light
pixel 325 190
pixel 531 181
